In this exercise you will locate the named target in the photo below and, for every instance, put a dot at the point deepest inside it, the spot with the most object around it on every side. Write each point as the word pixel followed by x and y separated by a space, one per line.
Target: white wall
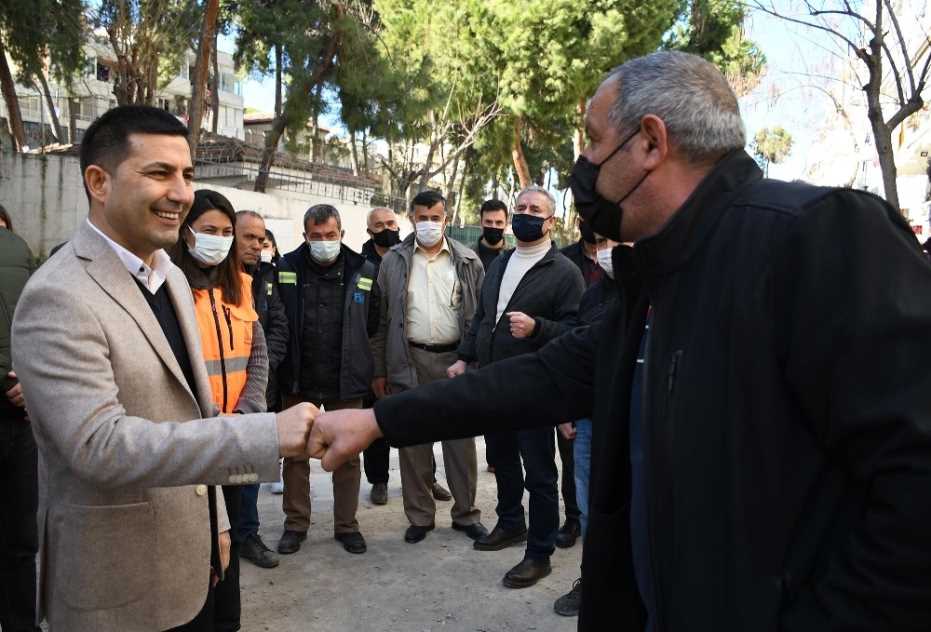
pixel 46 200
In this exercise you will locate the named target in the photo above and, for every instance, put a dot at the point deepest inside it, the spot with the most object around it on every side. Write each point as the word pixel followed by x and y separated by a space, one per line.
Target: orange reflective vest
pixel 226 339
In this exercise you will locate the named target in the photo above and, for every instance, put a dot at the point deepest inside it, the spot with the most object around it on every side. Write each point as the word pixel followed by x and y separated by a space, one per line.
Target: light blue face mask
pixel 210 250
pixel 324 251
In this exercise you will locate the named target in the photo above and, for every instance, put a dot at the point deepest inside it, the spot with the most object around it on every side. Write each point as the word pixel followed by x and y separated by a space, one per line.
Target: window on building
pixel 103 72
pixel 164 104
pixel 90 67
pixel 186 71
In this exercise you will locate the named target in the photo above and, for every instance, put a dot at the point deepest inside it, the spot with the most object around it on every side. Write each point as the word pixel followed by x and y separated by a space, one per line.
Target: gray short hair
pixel 368 218
pixel 689 94
pixel 320 213
pixel 533 188
pixel 247 213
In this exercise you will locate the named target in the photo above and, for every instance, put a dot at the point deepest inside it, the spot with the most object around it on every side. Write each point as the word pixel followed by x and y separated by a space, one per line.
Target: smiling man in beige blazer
pixel 107 348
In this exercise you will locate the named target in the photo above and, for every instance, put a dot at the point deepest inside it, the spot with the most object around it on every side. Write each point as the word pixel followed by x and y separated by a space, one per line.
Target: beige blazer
pixel 125 451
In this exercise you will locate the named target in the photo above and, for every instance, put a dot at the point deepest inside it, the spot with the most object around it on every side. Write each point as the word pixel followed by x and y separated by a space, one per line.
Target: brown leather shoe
pixel 527 573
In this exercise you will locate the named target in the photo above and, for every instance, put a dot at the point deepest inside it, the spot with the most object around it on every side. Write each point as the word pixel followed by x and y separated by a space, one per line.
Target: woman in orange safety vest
pixel 233 346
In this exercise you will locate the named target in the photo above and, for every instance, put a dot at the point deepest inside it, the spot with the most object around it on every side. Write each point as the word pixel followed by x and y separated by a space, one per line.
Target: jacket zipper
pixel 229 325
pixel 216 321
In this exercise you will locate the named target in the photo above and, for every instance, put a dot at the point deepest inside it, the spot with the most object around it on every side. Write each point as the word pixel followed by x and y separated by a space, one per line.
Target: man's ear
pixel 97 181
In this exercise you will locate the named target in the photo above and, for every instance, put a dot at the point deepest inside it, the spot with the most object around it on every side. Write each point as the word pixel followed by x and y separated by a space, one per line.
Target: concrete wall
pixel 46 200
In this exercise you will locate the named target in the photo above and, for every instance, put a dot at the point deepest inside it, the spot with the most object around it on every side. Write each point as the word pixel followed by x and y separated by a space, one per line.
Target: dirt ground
pixel 441 583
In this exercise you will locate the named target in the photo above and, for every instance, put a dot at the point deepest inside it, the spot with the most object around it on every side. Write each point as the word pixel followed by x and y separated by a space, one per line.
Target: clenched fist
pixel 522 325
pixel 339 435
pixel 294 426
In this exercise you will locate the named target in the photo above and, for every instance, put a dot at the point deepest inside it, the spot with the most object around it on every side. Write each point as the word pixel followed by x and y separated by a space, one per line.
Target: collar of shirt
pixel 152 278
pixel 420 249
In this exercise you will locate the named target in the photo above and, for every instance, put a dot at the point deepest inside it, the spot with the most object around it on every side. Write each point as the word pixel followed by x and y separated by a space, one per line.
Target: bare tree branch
pixel 905 57
pixel 820 27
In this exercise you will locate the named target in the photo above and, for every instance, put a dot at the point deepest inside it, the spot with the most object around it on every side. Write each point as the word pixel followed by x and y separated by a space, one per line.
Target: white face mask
pixel 210 250
pixel 324 251
pixel 266 256
pixel 605 261
pixel 429 233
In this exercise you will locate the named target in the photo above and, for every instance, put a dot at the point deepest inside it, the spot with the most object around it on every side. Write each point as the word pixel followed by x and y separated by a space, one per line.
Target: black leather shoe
pixel 527 573
pixel 415 534
pixel 379 494
pixel 254 550
pixel 441 493
pixel 569 604
pixel 568 533
pixel 474 531
pixel 352 542
pixel 500 539
pixel 290 542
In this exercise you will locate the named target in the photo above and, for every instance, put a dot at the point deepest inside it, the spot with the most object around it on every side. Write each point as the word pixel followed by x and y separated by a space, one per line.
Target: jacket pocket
pixel 104 557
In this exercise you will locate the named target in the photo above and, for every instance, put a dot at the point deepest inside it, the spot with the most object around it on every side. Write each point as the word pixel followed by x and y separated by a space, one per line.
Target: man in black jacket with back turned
pixel 530 296
pixel 766 466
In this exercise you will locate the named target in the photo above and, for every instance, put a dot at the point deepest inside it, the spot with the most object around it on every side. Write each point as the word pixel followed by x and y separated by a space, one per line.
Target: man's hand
pixel 522 325
pixel 457 369
pixel 380 387
pixel 225 544
pixel 339 435
pixel 15 394
pixel 567 430
pixel 294 429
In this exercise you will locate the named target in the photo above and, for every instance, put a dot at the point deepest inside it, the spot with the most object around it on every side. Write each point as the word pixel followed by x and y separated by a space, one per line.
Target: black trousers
pixel 536 448
pixel 19 541
pixel 375 461
pixel 567 484
pixel 222 608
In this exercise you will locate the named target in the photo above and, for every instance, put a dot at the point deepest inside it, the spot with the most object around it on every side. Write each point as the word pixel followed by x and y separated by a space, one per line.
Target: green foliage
pixel 714 30
pixel 771 146
pixel 33 30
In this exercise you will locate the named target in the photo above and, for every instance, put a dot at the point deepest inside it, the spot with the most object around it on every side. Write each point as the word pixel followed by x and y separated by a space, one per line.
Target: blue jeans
pixel 249 512
pixel 583 467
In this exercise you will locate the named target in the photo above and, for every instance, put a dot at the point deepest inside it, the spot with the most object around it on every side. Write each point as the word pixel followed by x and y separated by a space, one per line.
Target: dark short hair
pixel 6 218
pixel 429 199
pixel 106 141
pixel 492 205
pixel 320 213
pixel 228 270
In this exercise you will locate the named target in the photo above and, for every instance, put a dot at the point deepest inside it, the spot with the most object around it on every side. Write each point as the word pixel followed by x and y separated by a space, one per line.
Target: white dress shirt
pixel 434 298
pixel 152 278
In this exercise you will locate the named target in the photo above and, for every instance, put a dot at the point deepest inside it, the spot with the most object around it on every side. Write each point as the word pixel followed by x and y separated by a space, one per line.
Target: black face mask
pixel 527 227
pixel 492 235
pixel 387 238
pixel 603 216
pixel 588 235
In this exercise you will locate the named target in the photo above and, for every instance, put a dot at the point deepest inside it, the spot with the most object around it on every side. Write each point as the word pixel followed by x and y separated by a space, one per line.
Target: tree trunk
pixel 365 152
pixel 56 124
pixel 578 140
pixel 279 59
pixel 517 156
pixel 354 156
pixel 12 102
pixel 215 90
pixel 268 154
pixel 73 105
pixel 201 72
pixel 883 138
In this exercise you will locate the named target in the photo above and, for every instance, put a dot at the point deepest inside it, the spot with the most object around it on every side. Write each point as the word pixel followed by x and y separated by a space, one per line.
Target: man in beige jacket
pixel 107 348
